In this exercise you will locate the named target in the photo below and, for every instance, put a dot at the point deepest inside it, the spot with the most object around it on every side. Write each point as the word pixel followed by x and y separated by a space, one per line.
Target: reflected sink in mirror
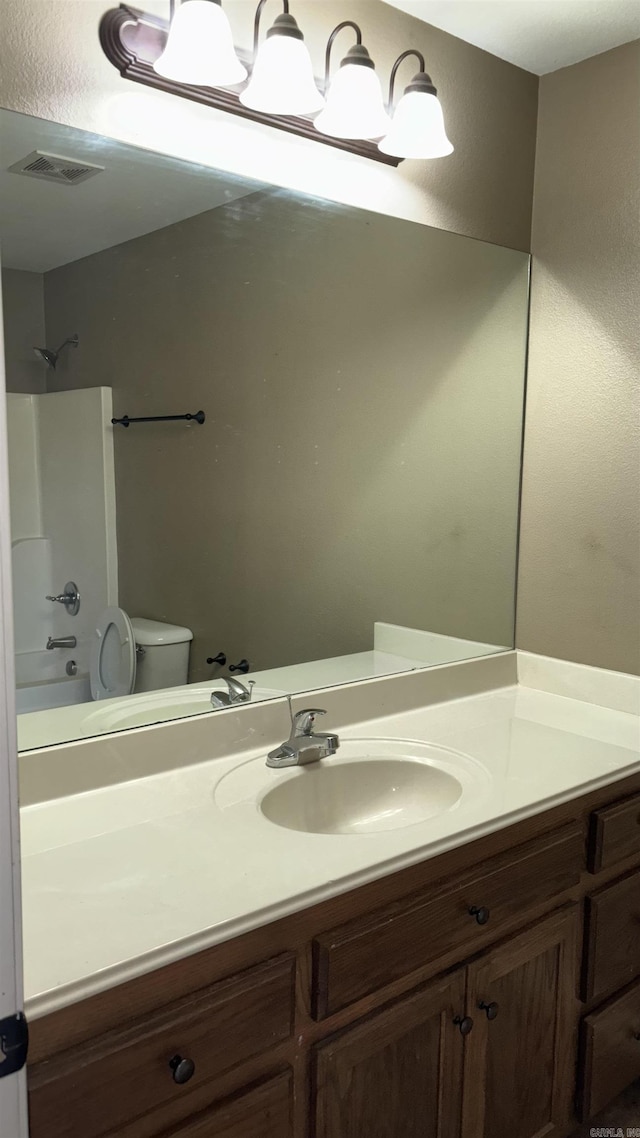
pixel 369 786
pixel 152 707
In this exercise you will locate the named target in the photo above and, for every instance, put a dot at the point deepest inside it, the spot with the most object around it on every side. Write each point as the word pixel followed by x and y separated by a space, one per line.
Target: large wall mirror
pixel 349 506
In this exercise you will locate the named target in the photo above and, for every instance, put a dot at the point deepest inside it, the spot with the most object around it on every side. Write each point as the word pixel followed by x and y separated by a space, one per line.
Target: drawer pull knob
pixel 491 1010
pixel 183 1069
pixel 636 1035
pixel 464 1023
pixel 480 913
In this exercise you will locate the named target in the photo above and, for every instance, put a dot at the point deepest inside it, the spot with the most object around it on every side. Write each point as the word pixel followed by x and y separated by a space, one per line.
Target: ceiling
pixel 43 224
pixel 537 35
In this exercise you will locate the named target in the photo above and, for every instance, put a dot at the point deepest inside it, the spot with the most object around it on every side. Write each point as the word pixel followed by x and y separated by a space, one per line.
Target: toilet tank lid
pixel 153 632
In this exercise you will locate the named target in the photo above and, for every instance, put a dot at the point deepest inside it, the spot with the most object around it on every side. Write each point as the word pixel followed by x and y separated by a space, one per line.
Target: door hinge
pixel 14 1043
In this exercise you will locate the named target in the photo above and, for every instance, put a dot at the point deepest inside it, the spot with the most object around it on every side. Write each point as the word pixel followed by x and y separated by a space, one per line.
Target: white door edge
pixel 13 1100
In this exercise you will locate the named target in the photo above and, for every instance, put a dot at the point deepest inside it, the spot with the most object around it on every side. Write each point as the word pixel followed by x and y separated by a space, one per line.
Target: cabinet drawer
pixel 263 1111
pixel 610 1051
pixel 614 833
pixel 93 1089
pixel 359 957
pixel 613 937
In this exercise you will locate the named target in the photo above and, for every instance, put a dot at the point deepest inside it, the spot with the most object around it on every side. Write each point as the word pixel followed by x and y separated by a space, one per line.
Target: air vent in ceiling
pixel 55 168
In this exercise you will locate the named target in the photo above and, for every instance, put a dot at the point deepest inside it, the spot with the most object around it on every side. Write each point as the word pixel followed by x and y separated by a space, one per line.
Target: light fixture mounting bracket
pixel 133 40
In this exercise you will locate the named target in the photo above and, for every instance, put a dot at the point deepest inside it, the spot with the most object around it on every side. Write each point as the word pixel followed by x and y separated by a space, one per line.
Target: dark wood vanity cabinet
pixel 397 1072
pixel 264 1111
pixel 614 833
pixel 610 1046
pixel 610 1032
pixel 165 1059
pixel 491 992
pixel 485 1052
pixel 612 950
pixel 364 955
pixel 520 1056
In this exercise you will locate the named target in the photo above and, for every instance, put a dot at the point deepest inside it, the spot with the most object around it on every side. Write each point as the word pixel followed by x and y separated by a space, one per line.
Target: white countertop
pixel 125 879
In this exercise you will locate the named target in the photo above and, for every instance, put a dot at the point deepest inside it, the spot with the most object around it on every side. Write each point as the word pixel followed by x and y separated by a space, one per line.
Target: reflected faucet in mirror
pixel 237 693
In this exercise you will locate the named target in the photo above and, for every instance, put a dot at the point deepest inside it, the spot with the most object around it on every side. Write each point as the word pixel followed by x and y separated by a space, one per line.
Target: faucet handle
pixel 304 721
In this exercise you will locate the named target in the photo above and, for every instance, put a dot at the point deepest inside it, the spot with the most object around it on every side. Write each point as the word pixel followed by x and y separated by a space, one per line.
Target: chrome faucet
pixel 61 642
pixel 304 745
pixel 236 694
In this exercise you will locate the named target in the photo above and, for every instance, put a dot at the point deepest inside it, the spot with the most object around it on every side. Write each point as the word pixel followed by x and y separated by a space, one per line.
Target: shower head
pixel 51 358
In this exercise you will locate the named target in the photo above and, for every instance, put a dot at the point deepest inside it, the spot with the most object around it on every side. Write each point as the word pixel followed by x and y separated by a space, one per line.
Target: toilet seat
pixel 113 656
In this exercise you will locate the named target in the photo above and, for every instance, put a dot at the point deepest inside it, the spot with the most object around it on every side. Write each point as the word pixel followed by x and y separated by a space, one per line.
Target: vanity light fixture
pixel 355 106
pixel 417 129
pixel 193 56
pixel 282 81
pixel 199 47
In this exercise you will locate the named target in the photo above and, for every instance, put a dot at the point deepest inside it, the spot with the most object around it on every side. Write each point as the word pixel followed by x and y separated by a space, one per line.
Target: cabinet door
pixel 520 1066
pixel 264 1111
pixel 397 1073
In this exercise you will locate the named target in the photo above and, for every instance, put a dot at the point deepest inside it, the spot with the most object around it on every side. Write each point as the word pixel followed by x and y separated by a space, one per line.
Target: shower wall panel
pixel 62 479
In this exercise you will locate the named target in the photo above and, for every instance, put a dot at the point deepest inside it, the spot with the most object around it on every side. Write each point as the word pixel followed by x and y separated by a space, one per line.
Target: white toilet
pixel 137 655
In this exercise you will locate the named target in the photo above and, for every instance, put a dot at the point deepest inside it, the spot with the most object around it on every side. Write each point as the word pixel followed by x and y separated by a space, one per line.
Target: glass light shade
pixel 282 80
pixel 417 130
pixel 355 107
pixel 200 48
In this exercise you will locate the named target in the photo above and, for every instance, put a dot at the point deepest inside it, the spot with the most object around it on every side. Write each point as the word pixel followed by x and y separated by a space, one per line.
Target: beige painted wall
pixel 23 315
pixel 363 384
pixel 579 595
pixel 52 66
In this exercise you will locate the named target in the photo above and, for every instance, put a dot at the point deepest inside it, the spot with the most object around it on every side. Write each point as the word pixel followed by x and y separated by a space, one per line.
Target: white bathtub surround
pixel 53 693
pixel 617 690
pixel 63 525
pixel 126 878
pixel 33 615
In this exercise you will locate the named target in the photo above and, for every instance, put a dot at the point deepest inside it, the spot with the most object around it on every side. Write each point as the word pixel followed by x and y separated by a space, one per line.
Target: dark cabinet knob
pixel 183 1069
pixel 480 913
pixel 636 1035
pixel 491 1010
pixel 464 1024
pixel 220 659
pixel 242 667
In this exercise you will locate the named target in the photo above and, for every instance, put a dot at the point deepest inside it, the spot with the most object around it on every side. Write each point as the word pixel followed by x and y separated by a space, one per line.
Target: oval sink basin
pixel 370 786
pixel 361 798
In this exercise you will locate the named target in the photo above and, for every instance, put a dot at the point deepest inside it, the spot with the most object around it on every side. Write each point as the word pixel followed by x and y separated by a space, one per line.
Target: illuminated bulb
pixel 355 107
pixel 199 49
pixel 417 129
pixel 282 80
